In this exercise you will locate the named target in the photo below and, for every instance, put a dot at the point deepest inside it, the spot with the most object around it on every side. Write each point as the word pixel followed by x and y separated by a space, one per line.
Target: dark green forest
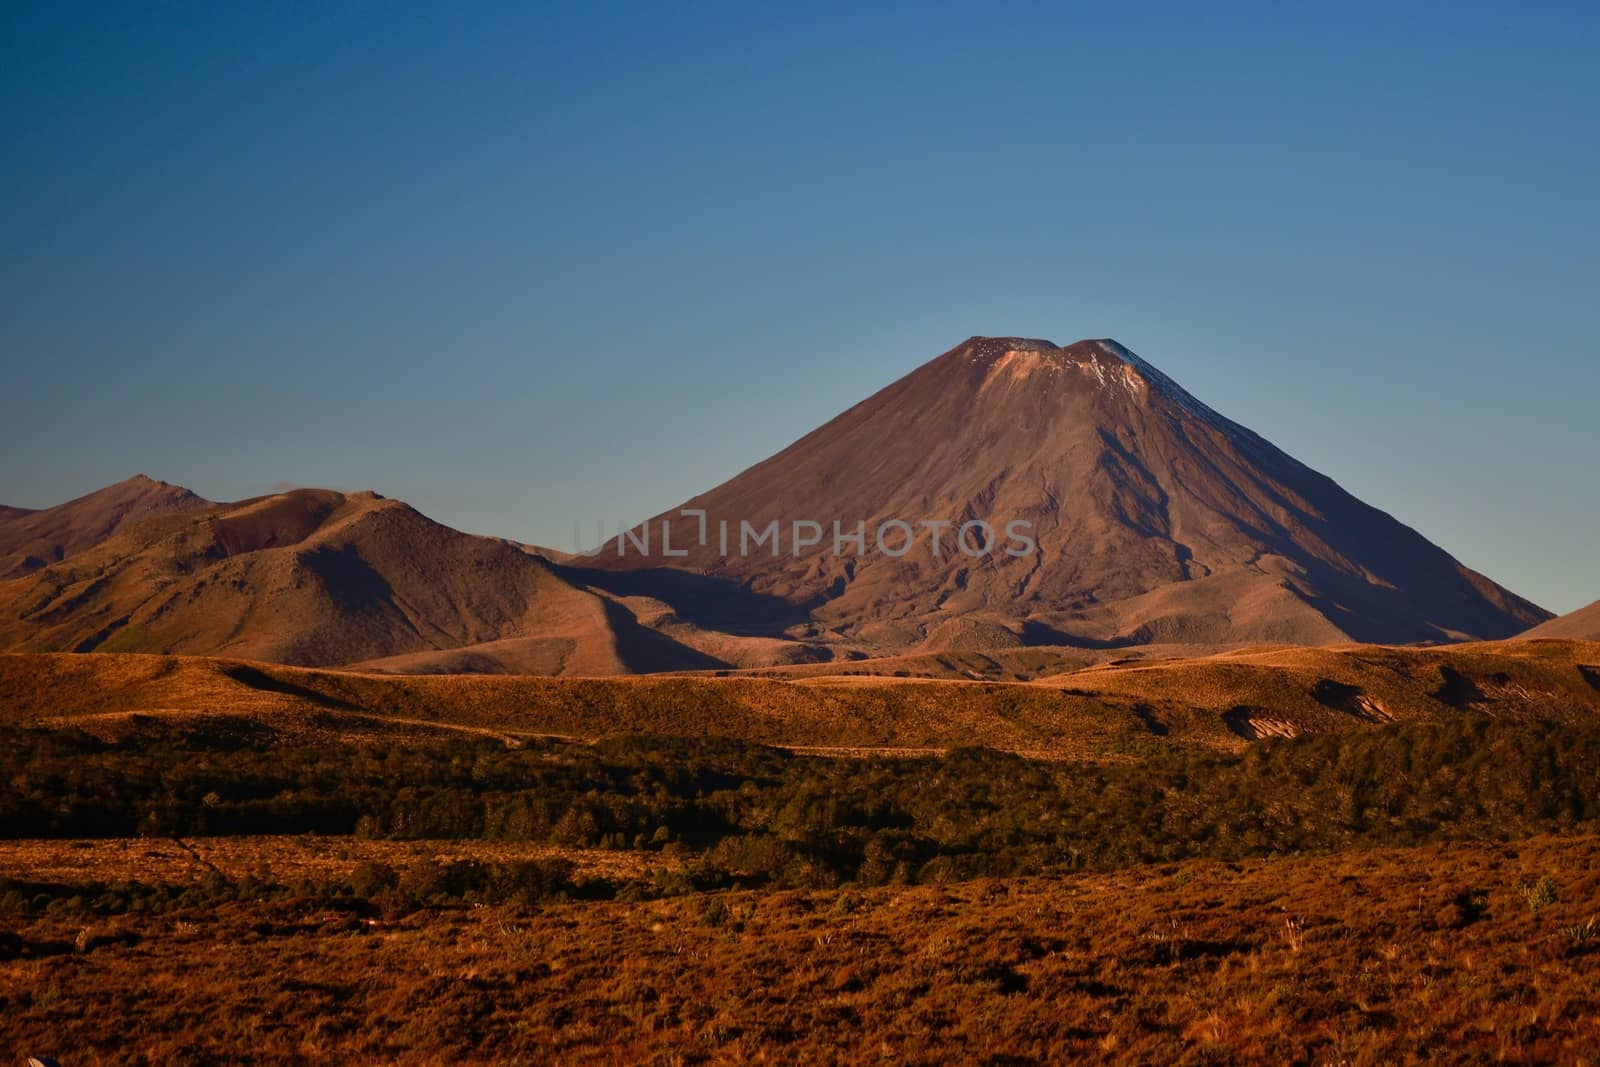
pixel 739 814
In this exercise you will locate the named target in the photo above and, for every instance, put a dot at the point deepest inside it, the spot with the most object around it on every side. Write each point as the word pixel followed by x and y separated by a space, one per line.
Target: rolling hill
pixel 1105 711
pixel 318 577
pixel 1580 625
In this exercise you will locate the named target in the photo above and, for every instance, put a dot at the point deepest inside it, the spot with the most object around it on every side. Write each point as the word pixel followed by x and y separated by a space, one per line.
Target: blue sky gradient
pixel 538 264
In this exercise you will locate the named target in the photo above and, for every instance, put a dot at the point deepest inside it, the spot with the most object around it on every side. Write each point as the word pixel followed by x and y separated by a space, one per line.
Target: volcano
pixel 1152 519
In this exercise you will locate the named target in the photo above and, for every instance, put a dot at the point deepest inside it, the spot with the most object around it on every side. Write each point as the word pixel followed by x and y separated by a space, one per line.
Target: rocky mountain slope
pixel 1152 519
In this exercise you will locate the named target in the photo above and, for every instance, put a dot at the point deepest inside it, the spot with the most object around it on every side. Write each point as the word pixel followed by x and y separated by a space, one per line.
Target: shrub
pixel 370 879
pixel 1539 894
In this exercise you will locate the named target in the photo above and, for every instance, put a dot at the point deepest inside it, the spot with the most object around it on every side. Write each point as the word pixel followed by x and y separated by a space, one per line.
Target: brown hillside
pixel 1581 625
pixel 1104 711
pixel 1289 691
pixel 318 577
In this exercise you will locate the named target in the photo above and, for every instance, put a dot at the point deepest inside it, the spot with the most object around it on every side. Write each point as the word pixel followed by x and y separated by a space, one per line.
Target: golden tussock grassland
pixel 1472 952
pixel 1268 856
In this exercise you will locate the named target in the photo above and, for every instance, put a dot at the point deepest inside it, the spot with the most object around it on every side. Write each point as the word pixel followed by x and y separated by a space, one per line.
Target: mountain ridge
pixel 1153 519
pixel 319 578
pixel 33 538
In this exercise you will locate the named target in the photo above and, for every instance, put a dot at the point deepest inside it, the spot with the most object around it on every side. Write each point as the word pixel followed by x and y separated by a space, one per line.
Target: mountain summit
pixel 30 539
pixel 1152 517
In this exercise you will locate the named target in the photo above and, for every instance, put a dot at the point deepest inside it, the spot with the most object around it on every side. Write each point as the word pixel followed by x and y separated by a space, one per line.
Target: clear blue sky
pixel 534 264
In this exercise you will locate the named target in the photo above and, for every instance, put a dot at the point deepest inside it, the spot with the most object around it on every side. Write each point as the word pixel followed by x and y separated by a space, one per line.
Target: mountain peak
pixel 982 344
pixel 1105 364
pixel 978 346
pixel 1111 365
pixel 36 539
pixel 142 483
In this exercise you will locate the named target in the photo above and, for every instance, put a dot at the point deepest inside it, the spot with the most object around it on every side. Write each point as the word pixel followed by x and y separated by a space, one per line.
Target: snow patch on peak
pixel 1164 386
pixel 1113 367
pixel 985 348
